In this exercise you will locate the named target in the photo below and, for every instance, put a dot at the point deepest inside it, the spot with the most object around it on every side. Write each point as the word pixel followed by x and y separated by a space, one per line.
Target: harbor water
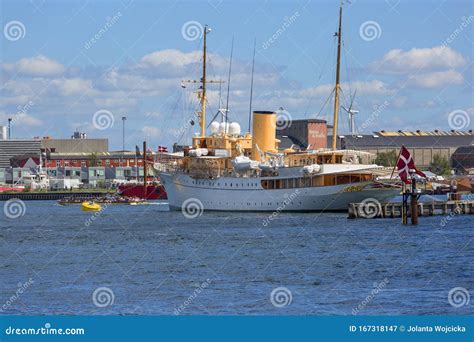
pixel 150 261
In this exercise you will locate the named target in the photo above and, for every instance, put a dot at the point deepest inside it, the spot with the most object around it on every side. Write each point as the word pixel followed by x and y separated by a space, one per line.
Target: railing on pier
pixel 394 209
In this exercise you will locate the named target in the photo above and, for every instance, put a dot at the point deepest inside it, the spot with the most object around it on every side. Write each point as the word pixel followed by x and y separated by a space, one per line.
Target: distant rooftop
pixel 409 139
pixel 419 133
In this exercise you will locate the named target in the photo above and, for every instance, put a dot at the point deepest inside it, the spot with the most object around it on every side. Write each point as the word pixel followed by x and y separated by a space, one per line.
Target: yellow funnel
pixel 264 133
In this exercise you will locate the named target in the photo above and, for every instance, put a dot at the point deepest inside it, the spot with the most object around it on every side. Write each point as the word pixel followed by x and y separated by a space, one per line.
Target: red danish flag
pixel 405 163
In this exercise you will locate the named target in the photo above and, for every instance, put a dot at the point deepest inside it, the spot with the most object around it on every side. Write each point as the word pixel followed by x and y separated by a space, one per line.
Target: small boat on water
pixel 108 199
pixel 90 206
pixel 137 190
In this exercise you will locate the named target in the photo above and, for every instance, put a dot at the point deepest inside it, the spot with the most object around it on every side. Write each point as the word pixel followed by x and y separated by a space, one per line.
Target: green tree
pixel 440 165
pixel 93 159
pixel 388 158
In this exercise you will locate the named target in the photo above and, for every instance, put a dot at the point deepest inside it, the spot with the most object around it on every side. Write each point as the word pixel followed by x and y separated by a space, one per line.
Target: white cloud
pixel 435 58
pixel 137 84
pixel 115 102
pixel 40 66
pixel 149 91
pixel 20 118
pixel 153 114
pixel 73 86
pixel 436 79
pixel 169 57
pixel 151 132
pixel 373 87
pixel 27 119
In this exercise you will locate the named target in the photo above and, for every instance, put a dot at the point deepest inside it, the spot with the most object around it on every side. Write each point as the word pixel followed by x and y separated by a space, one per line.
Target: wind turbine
pixel 351 112
pixel 222 111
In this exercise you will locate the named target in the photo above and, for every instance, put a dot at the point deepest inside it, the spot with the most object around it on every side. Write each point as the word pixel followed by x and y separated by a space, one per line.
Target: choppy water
pixel 155 261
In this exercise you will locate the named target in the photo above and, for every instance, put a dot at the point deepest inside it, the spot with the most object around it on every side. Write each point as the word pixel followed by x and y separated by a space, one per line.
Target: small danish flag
pixel 405 163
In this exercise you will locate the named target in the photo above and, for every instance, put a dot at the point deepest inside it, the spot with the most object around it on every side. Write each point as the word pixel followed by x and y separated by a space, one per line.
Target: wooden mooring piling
pixel 374 209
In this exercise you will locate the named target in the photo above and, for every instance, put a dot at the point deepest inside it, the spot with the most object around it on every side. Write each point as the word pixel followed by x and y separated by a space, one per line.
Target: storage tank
pixel 223 127
pixel 214 127
pixel 234 128
pixel 264 132
pixel 3 133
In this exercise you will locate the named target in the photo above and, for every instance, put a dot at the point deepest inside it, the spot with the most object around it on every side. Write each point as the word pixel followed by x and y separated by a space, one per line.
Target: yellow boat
pixel 90 206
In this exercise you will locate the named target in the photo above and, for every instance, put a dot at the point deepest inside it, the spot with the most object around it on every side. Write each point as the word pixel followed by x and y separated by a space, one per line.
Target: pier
pixel 53 195
pixel 394 209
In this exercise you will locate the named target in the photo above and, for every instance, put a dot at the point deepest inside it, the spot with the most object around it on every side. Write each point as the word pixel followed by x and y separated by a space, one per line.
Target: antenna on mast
pixel 337 87
pixel 220 103
pixel 228 84
pixel 251 83
pixel 203 80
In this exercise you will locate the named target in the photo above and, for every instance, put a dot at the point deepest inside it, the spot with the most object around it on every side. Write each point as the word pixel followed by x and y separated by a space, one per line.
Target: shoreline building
pixel 423 145
pixel 303 133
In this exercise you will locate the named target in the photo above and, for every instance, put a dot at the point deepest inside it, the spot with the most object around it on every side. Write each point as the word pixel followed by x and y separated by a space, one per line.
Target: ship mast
pixel 203 80
pixel 202 94
pixel 337 88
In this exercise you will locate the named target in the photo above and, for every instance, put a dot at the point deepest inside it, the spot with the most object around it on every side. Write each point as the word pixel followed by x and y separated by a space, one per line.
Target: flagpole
pixel 399 152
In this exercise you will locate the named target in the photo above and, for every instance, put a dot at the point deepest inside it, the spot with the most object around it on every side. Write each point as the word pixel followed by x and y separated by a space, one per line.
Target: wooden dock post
pixel 404 209
pixel 414 202
pixel 145 173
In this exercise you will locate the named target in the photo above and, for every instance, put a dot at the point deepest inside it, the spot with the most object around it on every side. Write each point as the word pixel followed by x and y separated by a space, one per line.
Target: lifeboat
pixel 90 206
pixel 243 163
pixel 310 169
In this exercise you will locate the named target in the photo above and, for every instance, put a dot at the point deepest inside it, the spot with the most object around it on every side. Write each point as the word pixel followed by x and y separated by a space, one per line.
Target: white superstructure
pixel 299 191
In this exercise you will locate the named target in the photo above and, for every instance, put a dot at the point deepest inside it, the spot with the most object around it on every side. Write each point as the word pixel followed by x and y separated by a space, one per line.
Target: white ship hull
pixel 247 194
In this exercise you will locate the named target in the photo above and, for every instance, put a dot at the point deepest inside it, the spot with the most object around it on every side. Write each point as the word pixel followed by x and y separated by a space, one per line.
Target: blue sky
pixel 412 66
